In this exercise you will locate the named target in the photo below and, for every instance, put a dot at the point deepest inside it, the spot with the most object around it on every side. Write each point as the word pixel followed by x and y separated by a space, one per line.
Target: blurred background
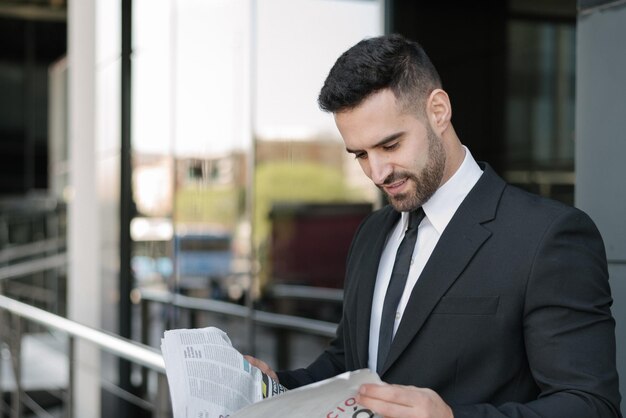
pixel 164 164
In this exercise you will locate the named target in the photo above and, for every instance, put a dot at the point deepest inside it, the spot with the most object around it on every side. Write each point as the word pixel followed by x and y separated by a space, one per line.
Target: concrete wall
pixel 601 142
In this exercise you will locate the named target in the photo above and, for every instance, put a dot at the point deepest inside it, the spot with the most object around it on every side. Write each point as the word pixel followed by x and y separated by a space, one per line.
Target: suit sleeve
pixel 330 363
pixel 569 332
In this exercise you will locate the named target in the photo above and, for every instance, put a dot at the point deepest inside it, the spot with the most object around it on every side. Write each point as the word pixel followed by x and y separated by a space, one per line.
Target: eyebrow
pixel 380 143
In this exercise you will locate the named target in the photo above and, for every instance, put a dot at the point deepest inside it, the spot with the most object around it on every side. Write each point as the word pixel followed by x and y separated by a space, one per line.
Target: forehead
pixel 379 116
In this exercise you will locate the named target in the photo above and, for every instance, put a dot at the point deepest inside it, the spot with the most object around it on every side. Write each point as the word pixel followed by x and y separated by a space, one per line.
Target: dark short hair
pixel 374 64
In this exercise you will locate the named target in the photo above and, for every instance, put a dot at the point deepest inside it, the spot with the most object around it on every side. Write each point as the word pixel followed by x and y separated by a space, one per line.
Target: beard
pixel 425 182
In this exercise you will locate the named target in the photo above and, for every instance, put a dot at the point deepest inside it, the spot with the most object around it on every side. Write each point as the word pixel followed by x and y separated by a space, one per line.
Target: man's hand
pixel 261 365
pixel 396 401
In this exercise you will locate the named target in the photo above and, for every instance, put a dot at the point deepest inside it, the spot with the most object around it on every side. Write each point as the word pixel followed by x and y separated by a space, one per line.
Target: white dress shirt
pixel 439 210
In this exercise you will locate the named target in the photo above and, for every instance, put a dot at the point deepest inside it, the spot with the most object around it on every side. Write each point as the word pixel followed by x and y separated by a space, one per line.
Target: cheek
pixel 418 161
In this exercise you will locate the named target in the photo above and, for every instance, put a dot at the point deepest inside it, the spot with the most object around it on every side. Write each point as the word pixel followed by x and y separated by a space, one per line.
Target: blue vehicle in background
pixel 203 260
pixel 186 259
pixel 201 255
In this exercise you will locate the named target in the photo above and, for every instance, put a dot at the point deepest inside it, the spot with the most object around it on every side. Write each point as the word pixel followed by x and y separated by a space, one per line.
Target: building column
pixel 600 142
pixel 84 297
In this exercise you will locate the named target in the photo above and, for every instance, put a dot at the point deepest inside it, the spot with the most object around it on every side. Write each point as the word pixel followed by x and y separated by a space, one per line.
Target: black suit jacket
pixel 509 318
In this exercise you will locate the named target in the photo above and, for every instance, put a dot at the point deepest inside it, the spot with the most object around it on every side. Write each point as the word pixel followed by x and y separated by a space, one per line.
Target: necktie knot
pixel 416 217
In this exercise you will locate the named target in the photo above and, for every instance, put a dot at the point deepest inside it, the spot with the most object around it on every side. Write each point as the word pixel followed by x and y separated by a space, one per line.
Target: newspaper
pixel 209 378
pixel 330 398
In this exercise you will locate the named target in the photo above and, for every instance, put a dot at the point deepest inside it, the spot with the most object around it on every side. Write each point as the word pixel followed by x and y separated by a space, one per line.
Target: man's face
pixel 398 151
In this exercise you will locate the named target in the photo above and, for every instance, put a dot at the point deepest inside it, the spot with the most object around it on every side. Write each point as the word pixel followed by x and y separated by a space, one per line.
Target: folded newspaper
pixel 209 378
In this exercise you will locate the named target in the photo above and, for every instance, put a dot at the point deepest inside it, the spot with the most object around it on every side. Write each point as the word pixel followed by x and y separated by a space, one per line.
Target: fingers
pixel 384 400
pixel 263 366
pixel 384 408
pixel 396 401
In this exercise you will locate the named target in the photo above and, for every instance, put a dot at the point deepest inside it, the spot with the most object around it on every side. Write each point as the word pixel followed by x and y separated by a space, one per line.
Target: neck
pixel 455 153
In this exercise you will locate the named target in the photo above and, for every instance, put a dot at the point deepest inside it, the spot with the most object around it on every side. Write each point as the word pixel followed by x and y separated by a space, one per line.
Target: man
pixel 506 307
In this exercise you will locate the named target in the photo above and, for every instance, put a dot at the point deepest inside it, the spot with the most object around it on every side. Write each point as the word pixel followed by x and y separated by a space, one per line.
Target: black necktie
pixel 397 282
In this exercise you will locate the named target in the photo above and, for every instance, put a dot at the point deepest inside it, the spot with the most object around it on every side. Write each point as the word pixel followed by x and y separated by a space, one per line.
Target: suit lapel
pixel 461 239
pixel 368 269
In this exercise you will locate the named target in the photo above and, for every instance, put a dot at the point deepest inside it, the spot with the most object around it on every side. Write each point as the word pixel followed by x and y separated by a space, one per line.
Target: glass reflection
pixel 243 189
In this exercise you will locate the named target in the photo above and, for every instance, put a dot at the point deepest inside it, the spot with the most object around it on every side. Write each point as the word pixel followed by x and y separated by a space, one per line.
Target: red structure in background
pixel 310 242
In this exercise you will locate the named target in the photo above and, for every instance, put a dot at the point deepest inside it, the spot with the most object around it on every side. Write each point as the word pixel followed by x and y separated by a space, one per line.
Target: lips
pixel 395 187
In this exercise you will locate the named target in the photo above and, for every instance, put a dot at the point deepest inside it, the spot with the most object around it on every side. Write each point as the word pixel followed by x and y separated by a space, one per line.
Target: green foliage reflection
pixel 301 182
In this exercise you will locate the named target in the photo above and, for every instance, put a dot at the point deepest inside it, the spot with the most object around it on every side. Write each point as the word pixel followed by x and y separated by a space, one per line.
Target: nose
pixel 380 169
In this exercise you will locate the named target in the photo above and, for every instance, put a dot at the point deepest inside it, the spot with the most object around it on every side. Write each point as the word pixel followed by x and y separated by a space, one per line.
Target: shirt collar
pixel 446 200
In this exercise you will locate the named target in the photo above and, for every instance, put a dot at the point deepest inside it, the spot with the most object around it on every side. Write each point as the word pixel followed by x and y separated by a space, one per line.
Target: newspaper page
pixel 331 398
pixel 208 378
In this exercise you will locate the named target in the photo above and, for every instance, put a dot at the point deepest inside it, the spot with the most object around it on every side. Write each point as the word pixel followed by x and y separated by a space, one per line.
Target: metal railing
pixel 141 354
pixel 33 258
pixel 30 264
pixel 33 266
pixel 270 319
pixel 283 325
pixel 31 249
pixel 135 352
pixel 321 294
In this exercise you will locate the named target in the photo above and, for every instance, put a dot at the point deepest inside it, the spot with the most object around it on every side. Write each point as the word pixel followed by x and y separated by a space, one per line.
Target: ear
pixel 439 110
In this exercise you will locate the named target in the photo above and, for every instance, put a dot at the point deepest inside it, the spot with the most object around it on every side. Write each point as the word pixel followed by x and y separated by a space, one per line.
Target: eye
pixel 391 147
pixel 360 155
